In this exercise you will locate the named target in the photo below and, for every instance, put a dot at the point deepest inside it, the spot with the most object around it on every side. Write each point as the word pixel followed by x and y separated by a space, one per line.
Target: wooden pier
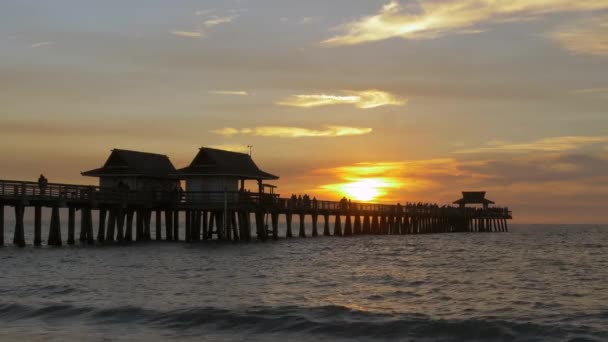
pixel 126 215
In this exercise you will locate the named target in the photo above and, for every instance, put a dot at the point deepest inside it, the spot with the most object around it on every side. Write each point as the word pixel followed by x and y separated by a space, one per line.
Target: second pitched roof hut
pixel 215 172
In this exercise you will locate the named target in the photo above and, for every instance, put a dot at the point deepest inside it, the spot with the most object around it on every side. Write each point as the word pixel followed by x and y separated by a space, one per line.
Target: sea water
pixel 535 283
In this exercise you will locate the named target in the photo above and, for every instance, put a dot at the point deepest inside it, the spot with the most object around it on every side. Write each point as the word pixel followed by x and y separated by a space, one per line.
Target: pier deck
pixel 222 215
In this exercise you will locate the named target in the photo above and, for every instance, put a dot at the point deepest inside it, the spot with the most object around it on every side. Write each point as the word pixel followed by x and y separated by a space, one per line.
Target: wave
pixel 331 321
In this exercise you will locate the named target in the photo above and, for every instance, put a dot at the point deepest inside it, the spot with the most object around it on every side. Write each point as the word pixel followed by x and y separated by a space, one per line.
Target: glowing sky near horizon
pixel 390 101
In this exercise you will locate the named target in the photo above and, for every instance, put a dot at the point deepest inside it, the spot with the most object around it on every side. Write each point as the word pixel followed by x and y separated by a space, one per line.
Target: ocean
pixel 535 283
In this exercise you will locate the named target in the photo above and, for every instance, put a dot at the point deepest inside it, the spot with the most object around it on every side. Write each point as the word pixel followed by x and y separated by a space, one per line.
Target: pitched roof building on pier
pixel 137 170
pixel 220 171
pixel 474 197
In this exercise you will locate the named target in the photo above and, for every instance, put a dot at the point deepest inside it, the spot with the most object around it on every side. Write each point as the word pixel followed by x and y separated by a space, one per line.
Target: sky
pixel 391 101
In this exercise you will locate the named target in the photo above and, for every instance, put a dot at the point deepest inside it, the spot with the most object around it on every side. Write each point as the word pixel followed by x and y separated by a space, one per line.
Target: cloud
pixel 585 37
pixel 554 144
pixel 209 21
pixel 293 132
pixel 431 19
pixel 188 34
pixel 216 20
pixel 36 45
pixel 595 92
pixel 229 92
pixel 364 99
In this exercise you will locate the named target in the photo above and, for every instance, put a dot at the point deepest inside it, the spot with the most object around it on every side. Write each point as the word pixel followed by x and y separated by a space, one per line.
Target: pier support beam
pixel 176 225
pixel 375 225
pixel 120 224
pixel 168 225
pixel 275 225
pixel 357 228
pixel 234 225
pixel 71 225
pixel 37 225
pixel 159 227
pixel 205 222
pixel 1 225
pixel 348 225
pixel 55 228
pixel 101 231
pixel 129 229
pixel 19 234
pixel 188 225
pixel 338 226
pixel 288 217
pixel 302 232
pixel 326 225
pixel 315 220
pixel 260 227
pixel 111 231
pixel 366 225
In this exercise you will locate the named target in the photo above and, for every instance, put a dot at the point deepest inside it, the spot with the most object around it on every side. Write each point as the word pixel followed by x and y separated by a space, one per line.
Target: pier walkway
pixel 222 215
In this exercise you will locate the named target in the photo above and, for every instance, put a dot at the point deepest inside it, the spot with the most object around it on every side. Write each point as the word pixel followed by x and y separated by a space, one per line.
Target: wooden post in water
pixel 375 225
pixel 1 225
pixel 235 228
pixel 89 226
pixel 139 225
pixel 37 225
pixel 176 225
pixel 71 225
pixel 366 224
pixel 168 225
pixel 315 220
pixel 159 226
pixel 197 225
pixel 188 225
pixel 129 229
pixel 120 224
pixel 302 232
pixel 55 228
pixel 111 231
pixel 227 225
pixel 288 217
pixel 348 226
pixel 260 227
pixel 383 226
pixel 274 217
pixel 357 228
pixel 83 225
pixel 19 236
pixel 338 226
pixel 101 231
pixel 211 223
pixel 326 225
pixel 206 225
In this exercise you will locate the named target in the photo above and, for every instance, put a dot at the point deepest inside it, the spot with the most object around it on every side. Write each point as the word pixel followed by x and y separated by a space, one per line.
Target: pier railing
pixel 33 191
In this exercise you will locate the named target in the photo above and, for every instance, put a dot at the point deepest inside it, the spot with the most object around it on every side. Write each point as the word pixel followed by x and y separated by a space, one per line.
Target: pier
pixel 136 186
pixel 126 216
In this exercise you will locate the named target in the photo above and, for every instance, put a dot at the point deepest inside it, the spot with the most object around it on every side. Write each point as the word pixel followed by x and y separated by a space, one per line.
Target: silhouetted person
pixel 42 183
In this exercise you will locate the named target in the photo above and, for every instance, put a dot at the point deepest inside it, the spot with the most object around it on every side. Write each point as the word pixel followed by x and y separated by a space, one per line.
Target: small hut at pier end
pixel 217 176
pixel 135 170
pixel 474 197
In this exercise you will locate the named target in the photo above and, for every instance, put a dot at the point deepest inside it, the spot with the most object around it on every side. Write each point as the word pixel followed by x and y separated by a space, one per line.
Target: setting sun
pixel 362 189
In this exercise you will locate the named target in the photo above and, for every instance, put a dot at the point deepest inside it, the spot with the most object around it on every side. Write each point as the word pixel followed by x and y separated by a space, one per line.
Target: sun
pixel 364 190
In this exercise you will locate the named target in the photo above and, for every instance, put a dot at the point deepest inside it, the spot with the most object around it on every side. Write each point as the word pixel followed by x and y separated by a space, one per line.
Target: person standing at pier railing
pixel 42 184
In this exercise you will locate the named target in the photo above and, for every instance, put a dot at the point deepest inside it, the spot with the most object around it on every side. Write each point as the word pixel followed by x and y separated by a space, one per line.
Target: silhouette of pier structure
pixel 136 186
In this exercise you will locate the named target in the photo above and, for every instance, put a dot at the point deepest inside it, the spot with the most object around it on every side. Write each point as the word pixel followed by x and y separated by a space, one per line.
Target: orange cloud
pixel 553 144
pixel 585 37
pixel 293 132
pixel 364 99
pixel 431 19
